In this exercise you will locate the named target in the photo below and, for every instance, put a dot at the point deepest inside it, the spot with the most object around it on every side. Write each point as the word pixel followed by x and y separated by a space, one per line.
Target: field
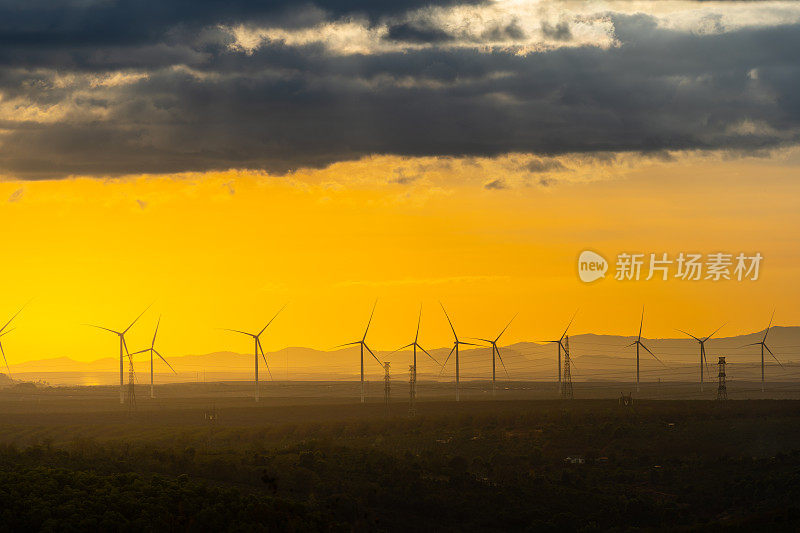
pixel 310 457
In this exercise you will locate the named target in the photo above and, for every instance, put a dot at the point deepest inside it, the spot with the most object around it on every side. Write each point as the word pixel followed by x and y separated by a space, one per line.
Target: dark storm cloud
pixel 197 103
pixel 418 33
pixel 45 23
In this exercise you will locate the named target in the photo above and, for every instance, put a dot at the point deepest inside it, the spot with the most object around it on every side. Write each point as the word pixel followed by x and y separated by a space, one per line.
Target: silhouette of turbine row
pixel 415 345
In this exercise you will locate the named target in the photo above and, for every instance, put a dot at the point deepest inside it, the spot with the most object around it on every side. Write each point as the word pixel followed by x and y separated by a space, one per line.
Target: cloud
pixel 496 185
pixel 110 88
pixel 537 165
pixel 415 33
pixel 401 178
pixel 559 32
pixel 16 196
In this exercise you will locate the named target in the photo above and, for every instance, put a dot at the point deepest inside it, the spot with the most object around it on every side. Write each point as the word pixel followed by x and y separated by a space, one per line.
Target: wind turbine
pixel 257 344
pixel 560 343
pixel 416 345
pixel 702 350
pixel 363 344
pixel 3 331
pixel 763 344
pixel 456 343
pixel 496 353
pixel 123 349
pixel 638 342
pixel 152 350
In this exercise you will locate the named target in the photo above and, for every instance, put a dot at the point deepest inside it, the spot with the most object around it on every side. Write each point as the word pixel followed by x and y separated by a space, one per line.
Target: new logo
pixel 591 266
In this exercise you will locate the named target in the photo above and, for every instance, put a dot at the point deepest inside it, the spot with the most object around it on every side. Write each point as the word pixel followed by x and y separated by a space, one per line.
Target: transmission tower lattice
pixel 131 388
pixel 722 389
pixel 566 383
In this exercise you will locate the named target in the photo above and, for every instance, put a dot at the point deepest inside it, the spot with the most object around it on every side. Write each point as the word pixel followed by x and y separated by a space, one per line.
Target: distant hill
pixel 5 381
pixel 595 357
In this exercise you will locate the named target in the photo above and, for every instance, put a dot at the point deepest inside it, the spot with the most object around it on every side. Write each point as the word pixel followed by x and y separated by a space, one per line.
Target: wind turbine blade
pixel 502 363
pixel 505 328
pixel 7 332
pixel 568 325
pixel 373 355
pixel 266 365
pixel 631 344
pixel 273 318
pixel 101 327
pixel 715 332
pixel 402 348
pixel 419 321
pixel 429 355
pixel 651 353
pixel 141 351
pixel 751 344
pixel 369 322
pixel 449 321
pixel 14 316
pixel 689 334
pixel 156 333
pixel 488 341
pixel 8 369
pixel 264 357
pixel 446 360
pixel 773 355
pixel 765 333
pixel 641 323
pixel 238 331
pixel 348 344
pixel 165 361
pixel 137 318
pixel 468 343
pixel 125 344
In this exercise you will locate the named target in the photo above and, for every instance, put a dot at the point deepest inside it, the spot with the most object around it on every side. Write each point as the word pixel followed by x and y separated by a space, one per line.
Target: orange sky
pixel 228 249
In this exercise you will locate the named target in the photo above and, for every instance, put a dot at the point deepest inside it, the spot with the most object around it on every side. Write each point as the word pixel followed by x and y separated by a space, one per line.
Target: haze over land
pixel 595 357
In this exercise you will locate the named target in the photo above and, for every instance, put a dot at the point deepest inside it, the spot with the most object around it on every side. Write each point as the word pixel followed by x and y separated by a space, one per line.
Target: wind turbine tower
pixel 412 398
pixel 386 385
pixel 496 354
pixel 638 343
pixel 257 347
pixel 456 344
pixel 363 344
pixel 123 350
pixel 152 350
pixel 703 359
pixel 763 344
